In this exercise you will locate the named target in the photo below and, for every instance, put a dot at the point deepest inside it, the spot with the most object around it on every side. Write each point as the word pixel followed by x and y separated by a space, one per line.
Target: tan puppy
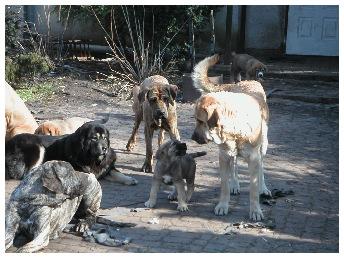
pixel 236 120
pixel 18 118
pixel 61 126
pixel 174 165
pixel 253 68
pixel 154 103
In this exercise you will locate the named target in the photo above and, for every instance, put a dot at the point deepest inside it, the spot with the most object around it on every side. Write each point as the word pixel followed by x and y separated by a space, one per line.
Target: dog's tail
pixel 103 120
pixel 198 154
pixel 200 74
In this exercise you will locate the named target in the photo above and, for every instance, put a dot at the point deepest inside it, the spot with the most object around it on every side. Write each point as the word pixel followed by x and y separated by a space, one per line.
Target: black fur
pixel 23 151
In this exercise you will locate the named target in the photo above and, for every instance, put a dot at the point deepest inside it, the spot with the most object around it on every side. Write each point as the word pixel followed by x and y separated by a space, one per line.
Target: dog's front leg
pixel 154 192
pixel 41 230
pixel 181 196
pixel 226 166
pixel 118 177
pixel 147 165
pixel 190 185
pixel 161 136
pixel 254 167
pixel 174 133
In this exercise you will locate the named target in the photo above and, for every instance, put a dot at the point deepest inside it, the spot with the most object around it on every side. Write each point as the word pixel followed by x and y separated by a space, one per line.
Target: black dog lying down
pixel 87 150
pixel 45 202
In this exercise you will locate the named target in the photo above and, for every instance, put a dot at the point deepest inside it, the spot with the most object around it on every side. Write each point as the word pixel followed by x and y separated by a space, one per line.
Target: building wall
pixel 264 26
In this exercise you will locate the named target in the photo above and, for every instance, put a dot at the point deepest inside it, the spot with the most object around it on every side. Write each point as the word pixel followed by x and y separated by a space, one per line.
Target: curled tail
pixel 198 154
pixel 102 120
pixel 200 73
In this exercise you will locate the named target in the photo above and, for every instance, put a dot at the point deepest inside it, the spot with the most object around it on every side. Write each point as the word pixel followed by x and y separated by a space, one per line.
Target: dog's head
pixel 22 153
pixel 170 150
pixel 91 143
pixel 159 97
pixel 48 128
pixel 208 125
pixel 259 71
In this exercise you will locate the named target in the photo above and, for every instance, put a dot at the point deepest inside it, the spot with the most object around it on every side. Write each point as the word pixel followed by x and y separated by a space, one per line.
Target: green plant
pixel 32 64
pixel 12 26
pixel 36 92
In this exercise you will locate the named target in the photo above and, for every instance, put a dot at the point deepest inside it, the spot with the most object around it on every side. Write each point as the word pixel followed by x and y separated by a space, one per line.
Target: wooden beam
pixel 228 43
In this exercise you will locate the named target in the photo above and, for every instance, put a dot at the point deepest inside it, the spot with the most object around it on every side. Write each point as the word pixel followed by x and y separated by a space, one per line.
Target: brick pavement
pixel 302 156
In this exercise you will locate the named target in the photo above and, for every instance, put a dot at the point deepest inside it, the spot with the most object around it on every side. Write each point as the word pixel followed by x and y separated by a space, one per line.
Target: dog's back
pixel 18 118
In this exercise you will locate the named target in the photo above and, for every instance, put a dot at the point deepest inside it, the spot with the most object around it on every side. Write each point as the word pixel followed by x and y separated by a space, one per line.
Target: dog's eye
pixel 154 99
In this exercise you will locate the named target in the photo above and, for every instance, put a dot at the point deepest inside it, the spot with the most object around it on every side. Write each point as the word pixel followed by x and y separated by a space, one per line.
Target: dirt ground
pixel 302 157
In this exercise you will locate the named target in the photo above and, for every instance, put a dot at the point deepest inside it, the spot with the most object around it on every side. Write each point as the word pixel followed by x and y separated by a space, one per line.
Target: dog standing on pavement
pixel 45 202
pixel 174 165
pixel 18 118
pixel 236 119
pixel 250 66
pixel 155 104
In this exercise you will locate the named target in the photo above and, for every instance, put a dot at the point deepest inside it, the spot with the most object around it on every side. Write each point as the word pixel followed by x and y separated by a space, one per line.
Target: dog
pixel 18 118
pixel 253 68
pixel 45 202
pixel 87 150
pixel 236 118
pixel 61 126
pixel 174 165
pixel 155 103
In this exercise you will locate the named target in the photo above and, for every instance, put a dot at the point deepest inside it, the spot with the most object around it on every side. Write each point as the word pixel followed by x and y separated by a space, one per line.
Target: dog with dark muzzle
pixel 46 200
pixel 155 104
pixel 250 66
pixel 174 165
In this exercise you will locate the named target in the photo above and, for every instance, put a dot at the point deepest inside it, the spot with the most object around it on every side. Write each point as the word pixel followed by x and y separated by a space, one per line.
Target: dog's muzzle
pixel 259 74
pixel 200 140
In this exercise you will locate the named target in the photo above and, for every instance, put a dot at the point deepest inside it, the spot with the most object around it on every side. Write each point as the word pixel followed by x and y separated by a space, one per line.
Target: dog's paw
pixel 221 209
pixel 131 181
pixel 182 207
pixel 130 146
pixel 256 214
pixel 265 191
pixel 147 168
pixel 149 204
pixel 172 196
pixel 234 187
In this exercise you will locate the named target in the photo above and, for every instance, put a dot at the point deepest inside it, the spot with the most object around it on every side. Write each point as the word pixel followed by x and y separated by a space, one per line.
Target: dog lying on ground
pixel 174 165
pixel 18 118
pixel 87 150
pixel 61 126
pixel 236 120
pixel 45 202
pixel 154 102
pixel 253 68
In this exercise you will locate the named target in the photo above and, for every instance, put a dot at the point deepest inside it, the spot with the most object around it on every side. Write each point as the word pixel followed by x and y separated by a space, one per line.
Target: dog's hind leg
pixel 234 185
pixel 40 229
pixel 255 167
pixel 161 136
pixel 262 186
pixel 190 186
pixel 132 140
pixel 11 224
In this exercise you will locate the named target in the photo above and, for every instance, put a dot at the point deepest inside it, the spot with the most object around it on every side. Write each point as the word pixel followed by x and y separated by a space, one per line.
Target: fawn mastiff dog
pixel 155 104
pixel 18 118
pixel 236 119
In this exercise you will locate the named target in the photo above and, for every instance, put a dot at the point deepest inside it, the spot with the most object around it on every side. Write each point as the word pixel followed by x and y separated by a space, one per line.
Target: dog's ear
pixel 32 154
pixel 172 93
pixel 142 95
pixel 214 119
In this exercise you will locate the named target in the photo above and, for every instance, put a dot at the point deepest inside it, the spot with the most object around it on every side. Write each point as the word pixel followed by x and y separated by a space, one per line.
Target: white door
pixel 313 30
